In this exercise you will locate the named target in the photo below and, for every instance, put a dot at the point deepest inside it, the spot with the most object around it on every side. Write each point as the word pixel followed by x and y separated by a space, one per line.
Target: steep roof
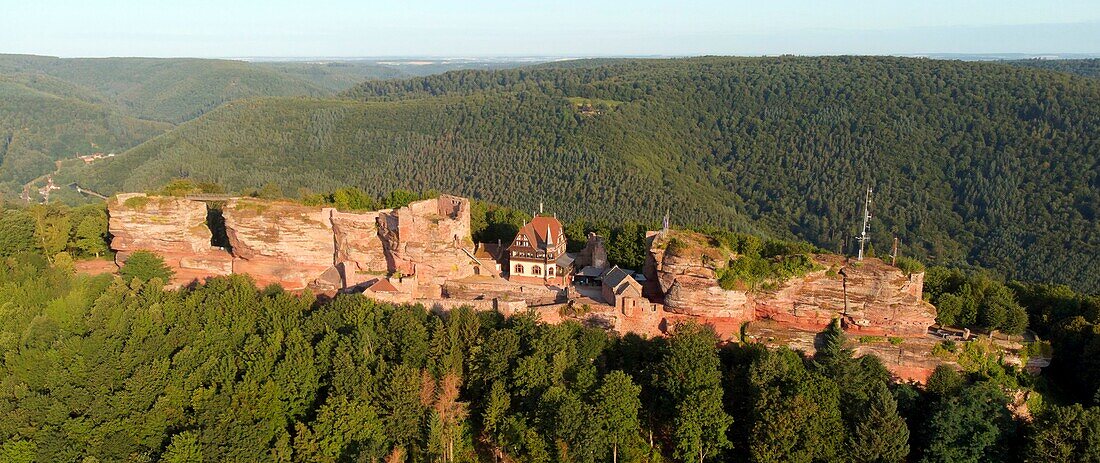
pixel 383 286
pixel 591 272
pixel 615 276
pixel 488 252
pixel 536 233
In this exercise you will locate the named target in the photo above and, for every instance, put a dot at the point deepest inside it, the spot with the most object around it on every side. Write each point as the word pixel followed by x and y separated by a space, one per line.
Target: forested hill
pixel 43 119
pixel 1086 67
pixel 164 89
pixel 985 163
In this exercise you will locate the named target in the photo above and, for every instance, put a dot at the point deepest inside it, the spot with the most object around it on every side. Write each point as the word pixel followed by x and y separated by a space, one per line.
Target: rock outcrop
pixel 174 228
pixel 877 299
pixel 279 241
pixel 684 265
pixel 300 246
pixel 363 248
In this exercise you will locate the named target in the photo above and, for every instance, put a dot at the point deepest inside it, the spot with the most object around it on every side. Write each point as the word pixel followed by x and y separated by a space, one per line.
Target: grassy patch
pixel 136 202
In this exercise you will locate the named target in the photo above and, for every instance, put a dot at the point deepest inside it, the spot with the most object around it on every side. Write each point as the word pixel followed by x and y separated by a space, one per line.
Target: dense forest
pixel 1084 67
pixel 170 90
pixel 59 108
pixel 115 368
pixel 43 119
pixel 104 369
pixel 984 164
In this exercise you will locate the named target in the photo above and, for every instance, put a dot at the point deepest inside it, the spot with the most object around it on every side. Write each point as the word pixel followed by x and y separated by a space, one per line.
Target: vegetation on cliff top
pixel 980 163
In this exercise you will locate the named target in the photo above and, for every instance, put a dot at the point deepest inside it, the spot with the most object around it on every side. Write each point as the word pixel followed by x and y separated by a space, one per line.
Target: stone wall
pixel 431 237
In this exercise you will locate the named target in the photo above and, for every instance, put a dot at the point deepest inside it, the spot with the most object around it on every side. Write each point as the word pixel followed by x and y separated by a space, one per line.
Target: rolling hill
pixel 169 90
pixel 43 119
pixel 60 108
pixel 979 163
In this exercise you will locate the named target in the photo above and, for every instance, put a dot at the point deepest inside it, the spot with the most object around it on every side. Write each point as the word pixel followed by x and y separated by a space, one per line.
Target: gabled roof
pixel 615 276
pixel 536 232
pixel 488 252
pixel 592 272
pixel 383 286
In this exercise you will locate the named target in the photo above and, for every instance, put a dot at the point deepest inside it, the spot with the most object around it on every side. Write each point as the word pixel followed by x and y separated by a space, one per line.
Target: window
pixel 519 268
pixel 550 271
pixel 536 270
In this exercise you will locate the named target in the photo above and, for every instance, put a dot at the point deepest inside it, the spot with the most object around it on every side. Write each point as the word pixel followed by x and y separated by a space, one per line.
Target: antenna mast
pixel 863 235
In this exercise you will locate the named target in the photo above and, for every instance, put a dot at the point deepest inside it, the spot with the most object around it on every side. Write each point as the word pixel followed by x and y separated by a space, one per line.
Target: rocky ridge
pixel 870 297
pixel 174 228
pixel 300 246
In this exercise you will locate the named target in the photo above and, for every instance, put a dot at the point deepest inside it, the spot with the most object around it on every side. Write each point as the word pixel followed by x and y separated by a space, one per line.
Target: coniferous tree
pixel 881 435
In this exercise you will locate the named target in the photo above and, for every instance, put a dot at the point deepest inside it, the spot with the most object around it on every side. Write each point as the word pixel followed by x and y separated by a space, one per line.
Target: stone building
pixel 490 259
pixel 622 291
pixel 537 254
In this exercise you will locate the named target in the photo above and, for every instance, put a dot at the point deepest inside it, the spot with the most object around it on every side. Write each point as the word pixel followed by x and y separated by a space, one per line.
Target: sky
pixel 482 28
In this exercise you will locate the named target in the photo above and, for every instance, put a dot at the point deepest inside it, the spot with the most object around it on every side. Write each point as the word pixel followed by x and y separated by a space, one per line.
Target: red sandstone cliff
pixel 174 228
pixel 881 300
pixel 299 246
pixel 364 250
pixel 684 264
pixel 279 241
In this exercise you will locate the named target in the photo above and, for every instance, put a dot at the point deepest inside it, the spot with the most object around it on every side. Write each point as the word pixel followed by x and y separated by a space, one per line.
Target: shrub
pixel 909 265
pixel 136 202
pixel 144 266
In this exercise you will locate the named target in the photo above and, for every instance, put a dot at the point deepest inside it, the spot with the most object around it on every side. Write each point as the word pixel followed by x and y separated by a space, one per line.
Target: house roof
pixel 383 286
pixel 488 252
pixel 615 276
pixel 565 260
pixel 592 272
pixel 536 233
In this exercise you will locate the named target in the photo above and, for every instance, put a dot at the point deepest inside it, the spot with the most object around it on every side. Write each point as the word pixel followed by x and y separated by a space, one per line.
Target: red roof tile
pixel 536 229
pixel 383 286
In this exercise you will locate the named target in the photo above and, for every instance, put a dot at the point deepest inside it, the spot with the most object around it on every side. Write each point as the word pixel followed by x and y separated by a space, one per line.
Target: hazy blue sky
pixel 211 28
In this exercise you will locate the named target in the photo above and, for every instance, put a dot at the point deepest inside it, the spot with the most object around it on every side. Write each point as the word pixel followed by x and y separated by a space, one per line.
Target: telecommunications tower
pixel 864 234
